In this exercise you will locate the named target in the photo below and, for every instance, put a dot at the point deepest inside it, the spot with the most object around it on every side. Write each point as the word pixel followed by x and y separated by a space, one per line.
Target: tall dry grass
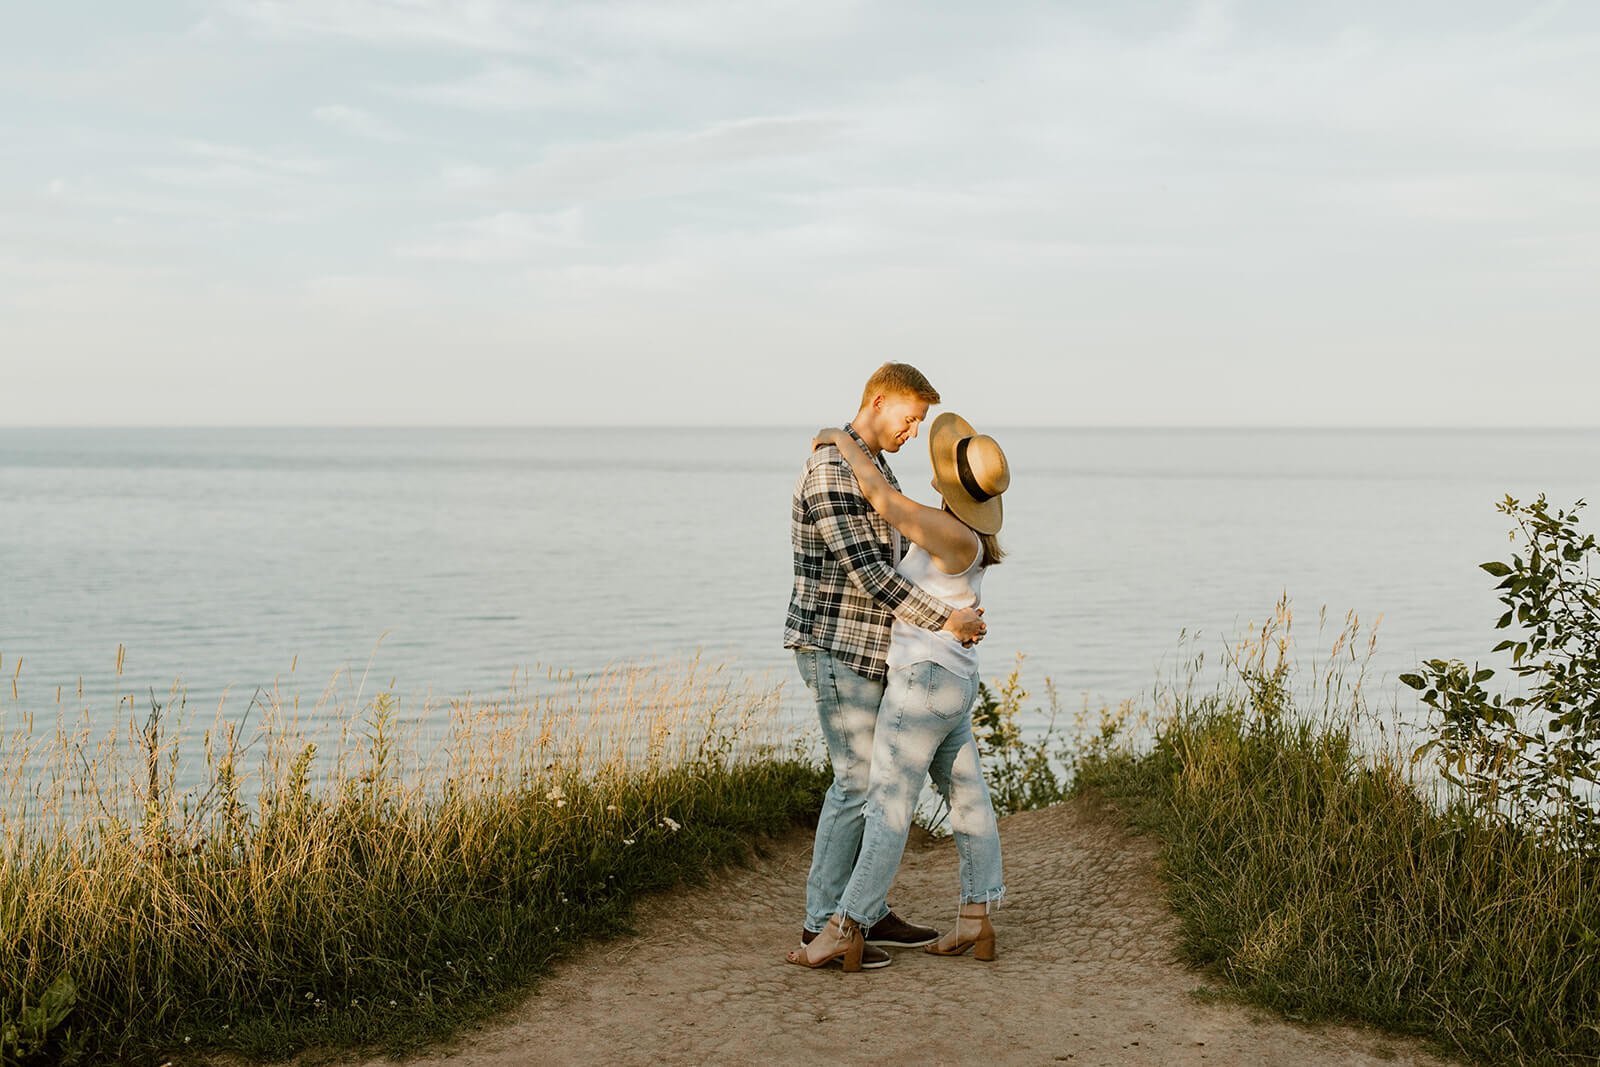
pixel 1321 872
pixel 351 877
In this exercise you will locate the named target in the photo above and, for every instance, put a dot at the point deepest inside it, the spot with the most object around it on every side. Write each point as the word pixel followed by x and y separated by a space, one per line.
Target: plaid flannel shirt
pixel 846 590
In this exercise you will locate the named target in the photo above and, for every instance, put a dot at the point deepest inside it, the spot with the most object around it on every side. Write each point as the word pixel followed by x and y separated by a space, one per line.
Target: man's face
pixel 899 418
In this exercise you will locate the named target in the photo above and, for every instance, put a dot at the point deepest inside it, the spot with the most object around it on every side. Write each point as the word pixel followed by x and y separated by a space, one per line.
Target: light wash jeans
pixel 924 727
pixel 847 705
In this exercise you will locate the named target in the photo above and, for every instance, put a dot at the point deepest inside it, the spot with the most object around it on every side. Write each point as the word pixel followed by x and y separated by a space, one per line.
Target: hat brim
pixel 944 434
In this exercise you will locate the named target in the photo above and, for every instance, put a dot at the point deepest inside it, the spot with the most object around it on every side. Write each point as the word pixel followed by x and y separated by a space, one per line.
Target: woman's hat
pixel 969 470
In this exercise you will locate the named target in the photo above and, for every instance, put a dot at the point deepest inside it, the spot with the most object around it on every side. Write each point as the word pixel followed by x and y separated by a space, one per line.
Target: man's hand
pixel 967 625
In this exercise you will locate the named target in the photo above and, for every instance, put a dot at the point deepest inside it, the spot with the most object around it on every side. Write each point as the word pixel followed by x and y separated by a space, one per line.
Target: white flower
pixel 671 824
pixel 627 840
pixel 555 794
pixel 612 807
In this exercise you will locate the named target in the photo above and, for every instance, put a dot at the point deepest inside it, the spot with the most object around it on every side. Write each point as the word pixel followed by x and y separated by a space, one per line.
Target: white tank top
pixel 912 644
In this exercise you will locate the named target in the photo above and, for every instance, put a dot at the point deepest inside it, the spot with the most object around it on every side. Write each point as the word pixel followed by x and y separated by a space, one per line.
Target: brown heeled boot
pixel 848 952
pixel 981 942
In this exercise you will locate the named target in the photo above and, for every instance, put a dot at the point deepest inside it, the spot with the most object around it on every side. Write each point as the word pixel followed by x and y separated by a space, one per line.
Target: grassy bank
pixel 378 891
pixel 1309 871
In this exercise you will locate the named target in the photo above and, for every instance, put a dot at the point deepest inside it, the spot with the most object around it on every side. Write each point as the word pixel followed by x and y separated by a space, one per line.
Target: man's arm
pixel 834 503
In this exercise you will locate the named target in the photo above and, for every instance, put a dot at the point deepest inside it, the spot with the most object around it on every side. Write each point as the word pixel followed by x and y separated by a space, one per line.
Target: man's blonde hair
pixel 899 379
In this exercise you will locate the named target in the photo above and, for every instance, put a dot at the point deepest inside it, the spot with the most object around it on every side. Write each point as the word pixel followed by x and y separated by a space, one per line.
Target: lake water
pixel 221 558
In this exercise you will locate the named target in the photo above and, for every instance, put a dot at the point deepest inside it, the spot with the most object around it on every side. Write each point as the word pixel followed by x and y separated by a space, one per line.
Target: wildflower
pixel 612 807
pixel 671 824
pixel 627 840
pixel 392 1004
pixel 555 794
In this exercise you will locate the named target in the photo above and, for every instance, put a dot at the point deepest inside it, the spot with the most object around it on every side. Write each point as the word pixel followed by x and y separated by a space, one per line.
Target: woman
pixel 925 721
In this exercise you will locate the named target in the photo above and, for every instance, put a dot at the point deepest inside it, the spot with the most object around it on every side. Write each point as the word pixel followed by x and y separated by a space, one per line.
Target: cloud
pixel 722 26
pixel 602 282
pixel 353 120
pixel 1457 199
pixel 369 293
pixel 1312 95
pixel 474 25
pixel 1211 24
pixel 510 27
pixel 1118 175
pixel 504 87
pixel 255 159
pixel 505 237
pixel 209 164
pixel 659 163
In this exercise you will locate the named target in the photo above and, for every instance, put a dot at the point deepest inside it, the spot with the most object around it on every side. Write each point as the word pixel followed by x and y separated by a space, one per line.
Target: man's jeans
pixel 847 705
pixel 925 727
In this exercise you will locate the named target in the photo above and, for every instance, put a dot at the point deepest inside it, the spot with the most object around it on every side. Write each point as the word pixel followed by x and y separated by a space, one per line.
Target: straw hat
pixel 969 470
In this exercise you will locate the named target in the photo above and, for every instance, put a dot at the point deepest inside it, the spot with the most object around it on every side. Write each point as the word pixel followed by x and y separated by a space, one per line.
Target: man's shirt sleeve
pixel 838 509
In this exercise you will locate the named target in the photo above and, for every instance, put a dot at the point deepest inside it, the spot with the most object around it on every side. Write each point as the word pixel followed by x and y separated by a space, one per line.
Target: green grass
pixel 1311 874
pixel 377 896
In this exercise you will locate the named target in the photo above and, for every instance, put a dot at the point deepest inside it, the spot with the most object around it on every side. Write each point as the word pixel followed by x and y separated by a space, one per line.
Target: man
pixel 846 594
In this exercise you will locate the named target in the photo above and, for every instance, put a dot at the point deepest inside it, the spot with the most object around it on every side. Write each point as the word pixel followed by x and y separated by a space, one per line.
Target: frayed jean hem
pixel 861 920
pixel 991 900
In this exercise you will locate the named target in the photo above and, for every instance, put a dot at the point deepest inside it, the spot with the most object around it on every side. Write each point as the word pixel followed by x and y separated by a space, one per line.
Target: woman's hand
pixel 828 435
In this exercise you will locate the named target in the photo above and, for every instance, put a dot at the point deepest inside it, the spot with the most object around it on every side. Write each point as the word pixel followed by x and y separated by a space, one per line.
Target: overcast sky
pixel 680 211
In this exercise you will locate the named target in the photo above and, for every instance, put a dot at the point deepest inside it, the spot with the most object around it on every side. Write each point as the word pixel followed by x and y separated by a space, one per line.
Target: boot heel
pixel 848 954
pixel 852 953
pixel 981 943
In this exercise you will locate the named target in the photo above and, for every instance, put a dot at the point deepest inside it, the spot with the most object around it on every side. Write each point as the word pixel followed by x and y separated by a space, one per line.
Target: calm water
pixel 222 557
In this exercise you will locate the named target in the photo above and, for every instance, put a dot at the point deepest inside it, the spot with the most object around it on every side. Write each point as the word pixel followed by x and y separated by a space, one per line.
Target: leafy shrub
pixel 1024 775
pixel 39 1033
pixel 1533 759
pixel 1020 774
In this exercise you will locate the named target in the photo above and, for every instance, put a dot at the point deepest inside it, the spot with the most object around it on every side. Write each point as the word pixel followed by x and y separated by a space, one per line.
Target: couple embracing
pixel 885 623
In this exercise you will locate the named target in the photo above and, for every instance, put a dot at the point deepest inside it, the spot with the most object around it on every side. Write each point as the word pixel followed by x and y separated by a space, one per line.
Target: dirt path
pixel 1085 976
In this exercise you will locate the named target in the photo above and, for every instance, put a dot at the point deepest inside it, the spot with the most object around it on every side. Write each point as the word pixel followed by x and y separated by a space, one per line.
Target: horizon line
pixel 1113 427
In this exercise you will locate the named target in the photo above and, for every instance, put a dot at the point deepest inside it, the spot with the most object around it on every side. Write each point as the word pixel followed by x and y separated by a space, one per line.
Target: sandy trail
pixel 1086 975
